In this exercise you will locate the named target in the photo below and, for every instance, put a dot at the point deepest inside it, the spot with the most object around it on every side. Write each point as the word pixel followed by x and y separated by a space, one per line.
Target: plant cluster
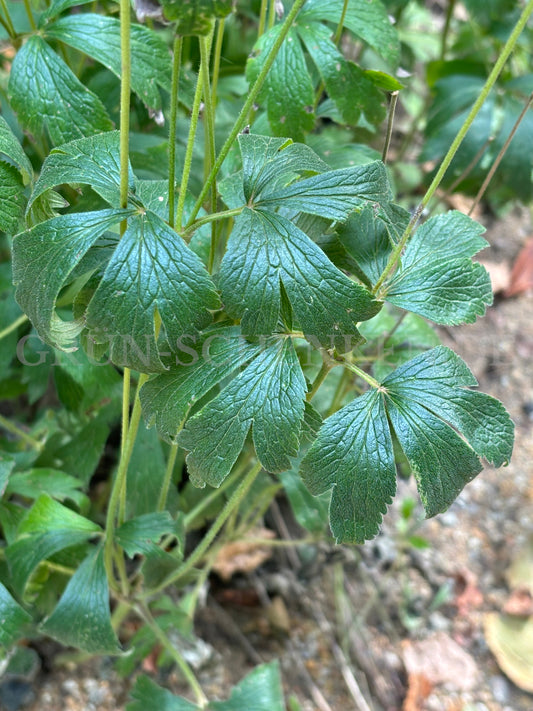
pixel 210 225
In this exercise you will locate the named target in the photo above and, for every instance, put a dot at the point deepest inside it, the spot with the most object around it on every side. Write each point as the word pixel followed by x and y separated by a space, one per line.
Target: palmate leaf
pixel 47 96
pixel 269 396
pixel 427 403
pixel 98 36
pixel 437 278
pixel 82 618
pixel 201 363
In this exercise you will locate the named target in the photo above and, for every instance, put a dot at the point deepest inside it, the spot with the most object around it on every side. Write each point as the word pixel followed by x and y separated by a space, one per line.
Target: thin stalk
pixel 446 29
pixel 7 20
pixel 493 76
pixel 338 32
pixel 469 168
pixel 145 614
pixel 272 14
pixel 187 233
pixel 317 382
pixel 498 159
pixel 119 485
pixel 126 384
pixel 390 123
pixel 18 432
pixel 361 373
pixel 189 151
pixel 29 13
pixel 217 53
pixel 13 326
pixel 162 502
pixel 206 501
pixel 208 111
pixel 262 18
pixel 340 390
pixel 232 505
pixel 243 115
pixel 176 66
pixel 125 91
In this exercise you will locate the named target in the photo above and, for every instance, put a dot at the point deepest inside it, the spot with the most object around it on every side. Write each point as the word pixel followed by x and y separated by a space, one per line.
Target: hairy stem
pixel 243 115
pixel 217 53
pixel 493 76
pixel 176 66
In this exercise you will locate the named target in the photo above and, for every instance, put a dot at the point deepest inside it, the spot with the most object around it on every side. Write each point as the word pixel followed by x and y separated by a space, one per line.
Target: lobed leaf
pixel 151 269
pixel 54 248
pixel 437 278
pixel 82 618
pixel 47 95
pixel 34 482
pixel 266 250
pixel 140 534
pixel 268 396
pixel 167 398
pixel 98 36
pixel 442 427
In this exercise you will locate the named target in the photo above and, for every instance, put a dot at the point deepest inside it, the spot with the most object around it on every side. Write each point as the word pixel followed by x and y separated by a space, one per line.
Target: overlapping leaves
pixel 289 92
pixel 442 427
pixel 150 269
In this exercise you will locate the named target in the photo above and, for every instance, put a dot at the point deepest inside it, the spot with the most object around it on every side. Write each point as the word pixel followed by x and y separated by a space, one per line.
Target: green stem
pixel 18 432
pixel 232 504
pixel 125 90
pixel 338 31
pixel 243 115
pixel 340 390
pixel 390 123
pixel 7 18
pixel 215 73
pixel 126 383
pixel 145 614
pixel 161 504
pixel 262 18
pixel 361 373
pixel 176 66
pixel 208 113
pixel 317 382
pixel 493 76
pixel 446 29
pixel 118 491
pixel 187 163
pixel 13 326
pixel 187 234
pixel 29 13
pixel 272 14
pixel 206 501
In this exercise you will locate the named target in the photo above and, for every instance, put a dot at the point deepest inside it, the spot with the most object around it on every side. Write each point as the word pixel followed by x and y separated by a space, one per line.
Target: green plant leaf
pixel 47 528
pixel 167 398
pixel 426 402
pixel 347 85
pixel 56 7
pixel 6 467
pixel 54 247
pixel 138 535
pixel 368 19
pixel 367 241
pixel 268 396
pixel 13 200
pixel 99 37
pixel 437 278
pixel 47 96
pixel 310 511
pixel 260 690
pixel 145 474
pixel 11 148
pixel 82 618
pixel 288 89
pixel 90 161
pixel 146 694
pixel 335 194
pixel 266 249
pixel 14 620
pixel 55 483
pixel 195 17
pixel 151 268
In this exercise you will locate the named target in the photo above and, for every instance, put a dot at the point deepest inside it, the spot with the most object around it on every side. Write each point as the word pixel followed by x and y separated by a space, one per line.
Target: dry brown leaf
pixel 522 271
pixel 441 661
pixel 519 603
pixel 510 639
pixel 500 274
pixel 243 556
pixel 418 689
